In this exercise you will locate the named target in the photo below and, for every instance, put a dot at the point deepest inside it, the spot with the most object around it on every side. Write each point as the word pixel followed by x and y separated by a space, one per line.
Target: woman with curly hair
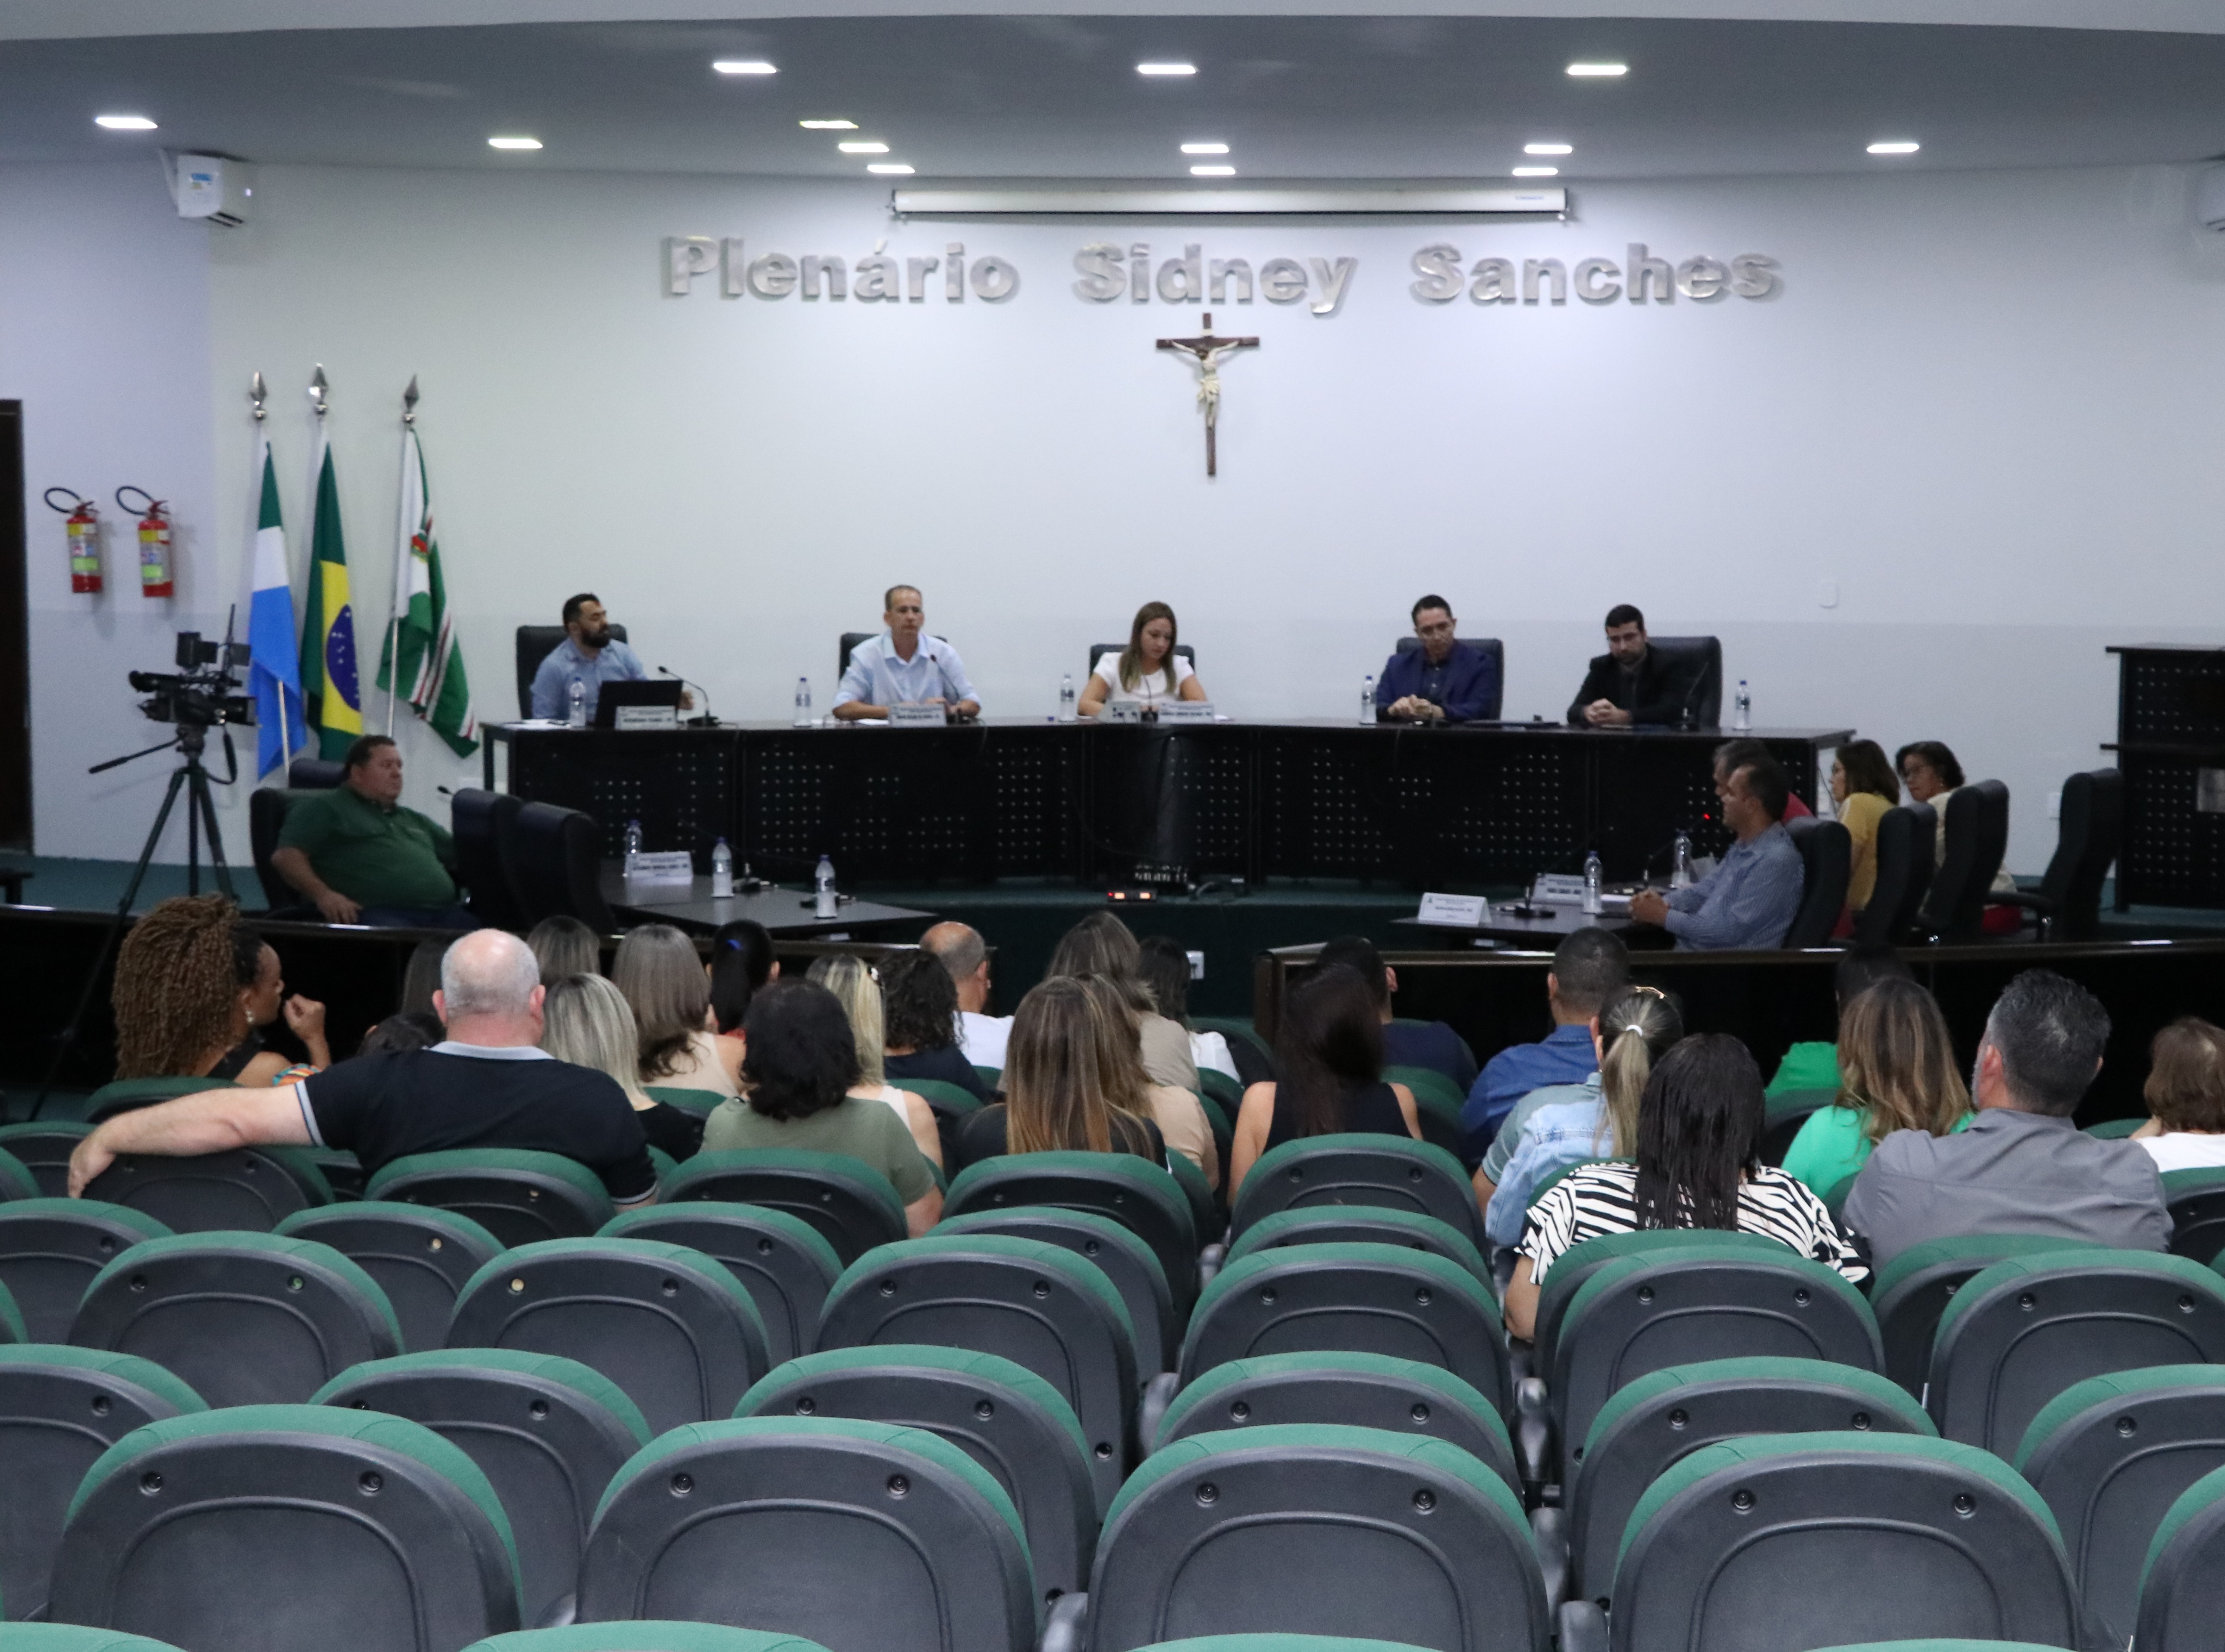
pixel 192 984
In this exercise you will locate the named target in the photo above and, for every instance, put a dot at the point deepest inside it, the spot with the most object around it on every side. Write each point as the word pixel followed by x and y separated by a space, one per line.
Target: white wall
pixel 1982 407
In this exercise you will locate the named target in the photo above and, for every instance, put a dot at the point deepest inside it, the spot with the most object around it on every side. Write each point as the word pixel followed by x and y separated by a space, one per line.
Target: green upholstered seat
pixel 76 1638
pixel 1362 1224
pixel 2114 1129
pixel 910 1542
pixel 783 1262
pixel 1912 1291
pixel 129 1095
pixel 419 1255
pixel 2195 1200
pixel 2182 1581
pixel 43 1147
pixel 1581 1260
pixel 243 1319
pixel 1118 1251
pixel 637 1637
pixel 671 1326
pixel 519 1197
pixel 941 1095
pixel 1139 1195
pixel 851 1205
pixel 247 1190
pixel 50 1249
pixel 1360 1170
pixel 701 1103
pixel 1276 1644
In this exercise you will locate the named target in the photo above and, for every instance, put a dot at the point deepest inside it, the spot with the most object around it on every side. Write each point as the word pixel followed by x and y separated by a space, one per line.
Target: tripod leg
pixel 206 802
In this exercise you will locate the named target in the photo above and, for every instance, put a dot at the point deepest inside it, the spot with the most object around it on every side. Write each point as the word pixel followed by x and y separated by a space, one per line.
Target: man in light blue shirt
pixel 901 668
pixel 1749 899
pixel 588 656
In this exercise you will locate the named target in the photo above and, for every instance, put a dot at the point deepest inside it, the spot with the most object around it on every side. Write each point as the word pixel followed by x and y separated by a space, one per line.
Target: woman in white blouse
pixel 1147 671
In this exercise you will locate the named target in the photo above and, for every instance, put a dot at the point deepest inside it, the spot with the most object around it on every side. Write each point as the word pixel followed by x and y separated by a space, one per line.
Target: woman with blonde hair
pixel 1148 670
pixel 1066 1087
pixel 1101 945
pixel 661 978
pixel 1179 1114
pixel 857 991
pixel 586 1021
pixel 1896 1072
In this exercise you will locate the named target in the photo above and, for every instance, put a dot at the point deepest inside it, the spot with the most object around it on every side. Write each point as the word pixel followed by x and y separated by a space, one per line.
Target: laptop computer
pixel 649 691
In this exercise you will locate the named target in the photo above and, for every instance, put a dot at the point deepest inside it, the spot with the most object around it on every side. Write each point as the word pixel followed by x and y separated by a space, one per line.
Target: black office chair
pixel 1492 646
pixel 850 641
pixel 266 819
pixel 558 868
pixel 1977 838
pixel 314 774
pixel 1907 854
pixel 1099 650
pixel 1705 696
pixel 485 827
pixel 1826 854
pixel 535 644
pixel 2067 905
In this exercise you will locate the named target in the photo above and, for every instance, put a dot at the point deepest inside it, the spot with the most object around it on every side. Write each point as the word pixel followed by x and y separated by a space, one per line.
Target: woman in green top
pixel 797 1076
pixel 1896 1072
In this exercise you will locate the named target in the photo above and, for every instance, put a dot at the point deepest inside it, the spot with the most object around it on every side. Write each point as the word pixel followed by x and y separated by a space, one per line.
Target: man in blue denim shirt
pixel 1568 1126
pixel 1750 898
pixel 1588 967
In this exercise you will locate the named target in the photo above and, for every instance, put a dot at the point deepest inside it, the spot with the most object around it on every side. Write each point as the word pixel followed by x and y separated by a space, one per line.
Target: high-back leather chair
pixel 535 644
pixel 1706 696
pixel 1826 856
pixel 1977 838
pixel 1907 853
pixel 1099 650
pixel 1492 648
pixel 266 819
pixel 851 639
pixel 485 827
pixel 2068 903
pixel 314 774
pixel 558 867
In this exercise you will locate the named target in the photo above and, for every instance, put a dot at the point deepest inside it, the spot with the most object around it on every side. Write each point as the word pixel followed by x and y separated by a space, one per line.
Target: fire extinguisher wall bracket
pixel 154 544
pixel 82 526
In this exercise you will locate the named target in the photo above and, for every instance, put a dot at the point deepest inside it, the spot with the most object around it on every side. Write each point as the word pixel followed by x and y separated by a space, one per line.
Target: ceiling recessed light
pixel 743 65
pixel 1549 148
pixel 1598 71
pixel 125 122
pixel 514 142
pixel 894 168
pixel 1213 172
pixel 863 146
pixel 1537 171
pixel 1205 148
pixel 1166 68
pixel 828 125
pixel 1898 147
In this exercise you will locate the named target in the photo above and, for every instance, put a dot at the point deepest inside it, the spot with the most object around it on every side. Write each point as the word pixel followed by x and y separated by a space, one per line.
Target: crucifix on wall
pixel 1206 349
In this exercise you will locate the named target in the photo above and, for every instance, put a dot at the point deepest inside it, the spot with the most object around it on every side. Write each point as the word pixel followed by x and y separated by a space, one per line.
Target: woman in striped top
pixel 1699 1130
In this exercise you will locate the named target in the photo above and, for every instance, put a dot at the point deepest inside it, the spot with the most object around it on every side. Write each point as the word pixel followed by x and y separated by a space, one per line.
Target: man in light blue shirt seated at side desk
pixel 589 655
pixel 1750 899
pixel 901 668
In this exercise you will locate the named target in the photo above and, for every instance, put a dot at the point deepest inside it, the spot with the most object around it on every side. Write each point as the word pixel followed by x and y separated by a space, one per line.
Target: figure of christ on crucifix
pixel 1207 349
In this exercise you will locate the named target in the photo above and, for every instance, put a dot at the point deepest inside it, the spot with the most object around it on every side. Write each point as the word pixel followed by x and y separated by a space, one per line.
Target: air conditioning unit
pixel 217 187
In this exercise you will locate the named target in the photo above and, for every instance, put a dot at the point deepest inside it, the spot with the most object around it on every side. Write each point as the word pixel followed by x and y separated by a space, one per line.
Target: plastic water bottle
pixel 803 702
pixel 632 847
pixel 577 716
pixel 1367 698
pixel 1066 698
pixel 722 870
pixel 1680 872
pixel 1742 708
pixel 1594 880
pixel 823 904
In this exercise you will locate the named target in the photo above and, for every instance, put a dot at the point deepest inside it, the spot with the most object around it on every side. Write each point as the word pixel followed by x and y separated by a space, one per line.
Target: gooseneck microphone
pixel 705 721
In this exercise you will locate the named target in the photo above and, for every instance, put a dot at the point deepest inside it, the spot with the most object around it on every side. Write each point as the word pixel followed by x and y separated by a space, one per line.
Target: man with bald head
pixel 965 955
pixel 488 1083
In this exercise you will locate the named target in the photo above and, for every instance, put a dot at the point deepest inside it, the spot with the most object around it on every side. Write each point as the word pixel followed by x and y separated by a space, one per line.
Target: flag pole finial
pixel 320 392
pixel 256 392
pixel 409 402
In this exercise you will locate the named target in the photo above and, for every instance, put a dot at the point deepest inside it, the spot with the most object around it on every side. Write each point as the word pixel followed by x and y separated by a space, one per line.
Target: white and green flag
pixel 421 655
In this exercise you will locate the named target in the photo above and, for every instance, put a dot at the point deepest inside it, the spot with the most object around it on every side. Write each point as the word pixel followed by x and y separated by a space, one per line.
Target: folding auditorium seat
pixel 1648 1312
pixel 548 1433
pixel 2195 1200
pixel 50 1249
pixel 1912 1291
pixel 420 1257
pixel 1375 1299
pixel 1005 1417
pixel 2183 1585
pixel 782 1261
pixel 1402 1174
pixel 1317 1529
pixel 1040 1307
pixel 1141 1197
pixel 247 1190
pixel 670 1326
pixel 1586 1258
pixel 851 1204
pixel 521 1198
pixel 859 1537
pixel 76 1638
pixel 1123 1258
pixel 1784 1542
pixel 633 1637
pixel 60 1409
pixel 1398 1396
pixel 1654 1423
pixel 288 1526
pixel 43 1147
pixel 1360 1225
pixel 244 1319
pixel 2024 1330
pixel 1276 1644
pixel 2111 1455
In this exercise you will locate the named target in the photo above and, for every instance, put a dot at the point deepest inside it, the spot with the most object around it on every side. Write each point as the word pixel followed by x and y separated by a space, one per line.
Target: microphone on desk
pixel 706 721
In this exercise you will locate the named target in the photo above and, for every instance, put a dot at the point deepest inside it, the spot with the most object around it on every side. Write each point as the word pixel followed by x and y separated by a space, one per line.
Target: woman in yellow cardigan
pixel 1863 787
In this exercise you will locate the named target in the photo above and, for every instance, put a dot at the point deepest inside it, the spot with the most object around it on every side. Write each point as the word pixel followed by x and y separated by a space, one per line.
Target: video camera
pixel 202 693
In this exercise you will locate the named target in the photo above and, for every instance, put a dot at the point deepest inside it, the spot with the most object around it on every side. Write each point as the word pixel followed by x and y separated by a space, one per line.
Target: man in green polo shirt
pixel 362 857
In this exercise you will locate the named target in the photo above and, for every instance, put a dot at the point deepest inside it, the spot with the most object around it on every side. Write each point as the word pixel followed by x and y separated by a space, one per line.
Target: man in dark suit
pixel 1631 683
pixel 1441 682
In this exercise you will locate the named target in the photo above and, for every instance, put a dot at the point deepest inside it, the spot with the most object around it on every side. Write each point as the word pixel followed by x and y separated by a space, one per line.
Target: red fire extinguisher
pixel 155 567
pixel 82 527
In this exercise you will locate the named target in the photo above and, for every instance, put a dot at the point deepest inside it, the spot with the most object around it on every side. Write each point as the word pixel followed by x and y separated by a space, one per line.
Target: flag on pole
pixel 274 675
pixel 329 684
pixel 424 662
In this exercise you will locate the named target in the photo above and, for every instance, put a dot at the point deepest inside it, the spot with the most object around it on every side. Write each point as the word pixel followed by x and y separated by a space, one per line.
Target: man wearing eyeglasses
pixel 1441 682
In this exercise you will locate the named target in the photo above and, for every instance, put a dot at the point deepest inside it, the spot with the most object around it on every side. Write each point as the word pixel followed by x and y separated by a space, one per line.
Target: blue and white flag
pixel 274 672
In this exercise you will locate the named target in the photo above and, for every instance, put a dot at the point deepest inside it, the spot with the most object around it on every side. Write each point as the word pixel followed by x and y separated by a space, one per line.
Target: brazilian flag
pixel 330 686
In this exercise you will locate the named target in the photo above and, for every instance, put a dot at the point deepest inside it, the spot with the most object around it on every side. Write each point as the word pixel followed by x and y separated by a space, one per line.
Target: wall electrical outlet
pixel 2055 806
